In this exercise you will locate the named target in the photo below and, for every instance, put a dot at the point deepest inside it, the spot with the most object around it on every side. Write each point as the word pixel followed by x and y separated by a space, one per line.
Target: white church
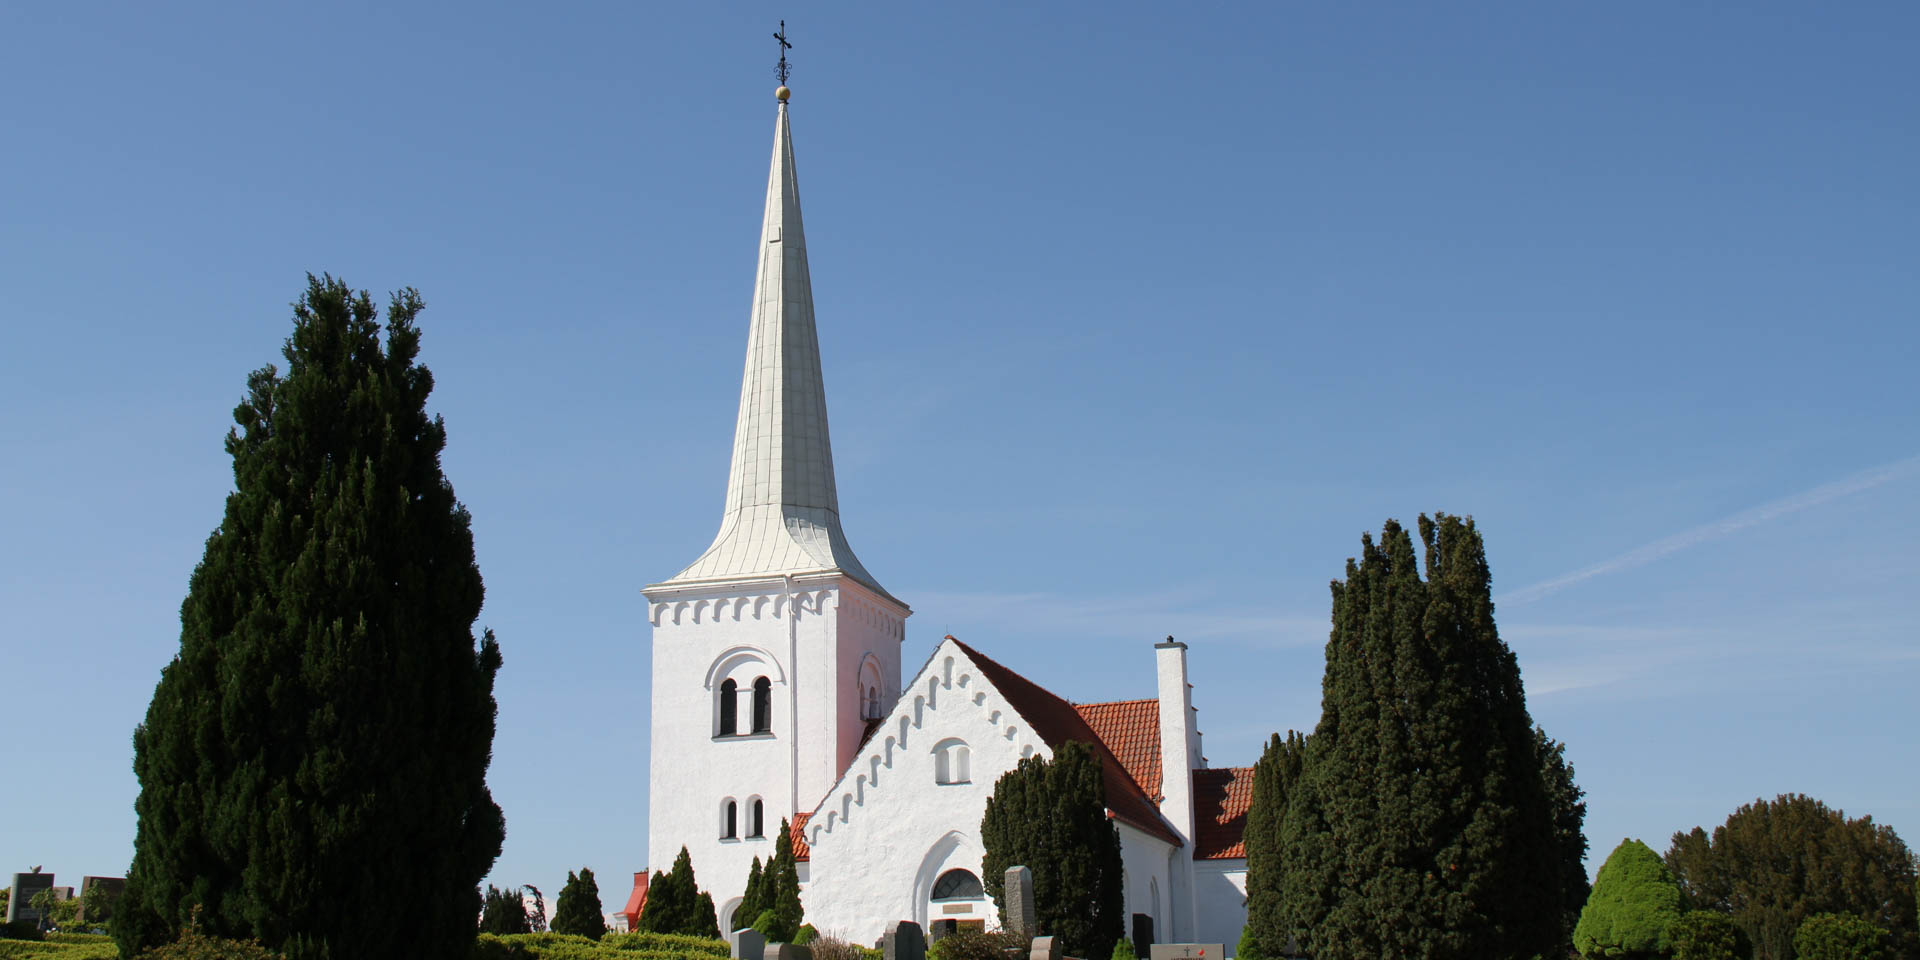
pixel 778 692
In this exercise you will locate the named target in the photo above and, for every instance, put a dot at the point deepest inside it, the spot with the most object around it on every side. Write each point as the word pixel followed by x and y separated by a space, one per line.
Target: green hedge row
pixel 521 946
pixel 61 946
pixel 614 946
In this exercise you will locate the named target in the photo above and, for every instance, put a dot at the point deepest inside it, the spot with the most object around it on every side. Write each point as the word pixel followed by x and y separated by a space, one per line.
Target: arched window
pixel 870 708
pixel 729 825
pixel 950 762
pixel 958 885
pixel 729 708
pixel 757 820
pixel 763 706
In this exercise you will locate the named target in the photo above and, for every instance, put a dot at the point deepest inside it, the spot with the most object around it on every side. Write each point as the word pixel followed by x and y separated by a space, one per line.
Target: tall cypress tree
pixel 749 909
pixel 1279 768
pixel 1569 813
pixel 578 911
pixel 780 884
pixel 317 750
pixel 1421 827
pixel 1051 816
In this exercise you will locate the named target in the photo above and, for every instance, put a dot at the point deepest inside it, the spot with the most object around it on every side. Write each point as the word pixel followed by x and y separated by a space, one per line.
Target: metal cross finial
pixel 783 69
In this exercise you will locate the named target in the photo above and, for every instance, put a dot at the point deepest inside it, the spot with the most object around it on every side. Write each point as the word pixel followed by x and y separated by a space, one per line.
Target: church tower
pixel 774 649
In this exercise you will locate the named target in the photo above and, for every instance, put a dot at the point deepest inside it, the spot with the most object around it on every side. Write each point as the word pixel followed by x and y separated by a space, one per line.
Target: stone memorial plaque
pixel 1045 948
pixel 1021 916
pixel 1188 951
pixel 25 885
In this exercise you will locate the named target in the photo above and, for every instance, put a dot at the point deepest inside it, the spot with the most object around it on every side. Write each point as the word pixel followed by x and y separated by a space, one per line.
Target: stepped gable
pixel 1131 729
pixel 1221 797
pixel 1057 721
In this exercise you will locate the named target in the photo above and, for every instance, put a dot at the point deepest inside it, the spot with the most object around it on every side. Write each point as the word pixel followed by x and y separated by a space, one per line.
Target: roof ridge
pixel 1104 703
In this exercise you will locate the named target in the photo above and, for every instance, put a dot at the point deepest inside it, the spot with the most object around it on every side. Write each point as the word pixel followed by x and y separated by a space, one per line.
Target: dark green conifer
pixel 1266 934
pixel 1051 817
pixel 504 912
pixel 1421 827
pixel 1569 812
pixel 316 752
pixel 578 911
pixel 780 884
pixel 676 904
pixel 750 905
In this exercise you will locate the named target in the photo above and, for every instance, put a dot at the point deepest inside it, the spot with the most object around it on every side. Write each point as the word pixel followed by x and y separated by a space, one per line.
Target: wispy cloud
pixel 1641 556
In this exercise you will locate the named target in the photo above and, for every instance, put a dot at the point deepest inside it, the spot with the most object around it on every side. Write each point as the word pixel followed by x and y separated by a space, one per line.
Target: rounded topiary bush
pixel 1634 902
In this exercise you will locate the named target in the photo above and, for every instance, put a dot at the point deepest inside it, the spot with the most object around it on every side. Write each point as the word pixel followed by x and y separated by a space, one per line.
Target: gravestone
pixel 747 944
pixel 939 929
pixel 1045 948
pixel 904 942
pixel 788 951
pixel 1021 917
pixel 1188 951
pixel 96 898
pixel 1142 935
pixel 25 885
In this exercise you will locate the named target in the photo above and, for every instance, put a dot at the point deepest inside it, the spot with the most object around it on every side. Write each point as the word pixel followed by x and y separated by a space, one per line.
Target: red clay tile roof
pixel 1056 721
pixel 799 831
pixel 1131 729
pixel 1221 797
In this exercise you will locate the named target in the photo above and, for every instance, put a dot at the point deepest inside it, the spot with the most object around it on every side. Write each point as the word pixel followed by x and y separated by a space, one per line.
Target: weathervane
pixel 782 70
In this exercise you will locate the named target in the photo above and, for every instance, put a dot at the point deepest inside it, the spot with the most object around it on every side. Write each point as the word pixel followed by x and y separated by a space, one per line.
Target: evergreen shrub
pixel 1840 936
pixel 61 946
pixel 1635 901
pixel 1708 935
pixel 1124 950
pixel 978 945
pixel 672 944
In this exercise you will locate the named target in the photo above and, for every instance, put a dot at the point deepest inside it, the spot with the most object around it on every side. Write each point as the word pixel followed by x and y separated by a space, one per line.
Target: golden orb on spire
pixel 783 93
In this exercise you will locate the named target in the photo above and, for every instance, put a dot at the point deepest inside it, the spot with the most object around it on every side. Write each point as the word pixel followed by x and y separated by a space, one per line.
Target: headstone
pixel 25 885
pixel 939 929
pixel 1021 916
pixel 1045 948
pixel 1142 935
pixel 1188 951
pixel 788 951
pixel 747 944
pixel 100 892
pixel 904 942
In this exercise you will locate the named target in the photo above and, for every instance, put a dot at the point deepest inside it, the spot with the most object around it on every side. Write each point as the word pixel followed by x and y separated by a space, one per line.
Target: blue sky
pixel 1134 318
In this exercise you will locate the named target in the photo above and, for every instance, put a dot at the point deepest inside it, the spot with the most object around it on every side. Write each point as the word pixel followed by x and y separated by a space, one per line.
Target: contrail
pixel 1825 493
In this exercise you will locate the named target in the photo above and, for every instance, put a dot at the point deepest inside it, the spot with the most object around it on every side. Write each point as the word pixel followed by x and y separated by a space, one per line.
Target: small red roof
pixel 637 900
pixel 1221 797
pixel 799 833
pixel 1131 729
pixel 1057 721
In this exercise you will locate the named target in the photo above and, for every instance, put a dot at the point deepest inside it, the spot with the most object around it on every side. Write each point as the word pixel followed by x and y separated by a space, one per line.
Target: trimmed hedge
pixel 614 946
pixel 61 946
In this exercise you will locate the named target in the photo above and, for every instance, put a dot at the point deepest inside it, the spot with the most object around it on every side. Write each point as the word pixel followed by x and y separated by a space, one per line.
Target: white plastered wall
pixel 1220 898
pixel 886 831
pixel 702 635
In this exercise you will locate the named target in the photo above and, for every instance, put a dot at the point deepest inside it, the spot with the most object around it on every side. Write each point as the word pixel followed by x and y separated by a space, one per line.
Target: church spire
pixel 782 512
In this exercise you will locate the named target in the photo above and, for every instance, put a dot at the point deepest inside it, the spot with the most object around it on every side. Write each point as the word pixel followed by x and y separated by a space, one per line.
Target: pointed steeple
pixel 782 511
